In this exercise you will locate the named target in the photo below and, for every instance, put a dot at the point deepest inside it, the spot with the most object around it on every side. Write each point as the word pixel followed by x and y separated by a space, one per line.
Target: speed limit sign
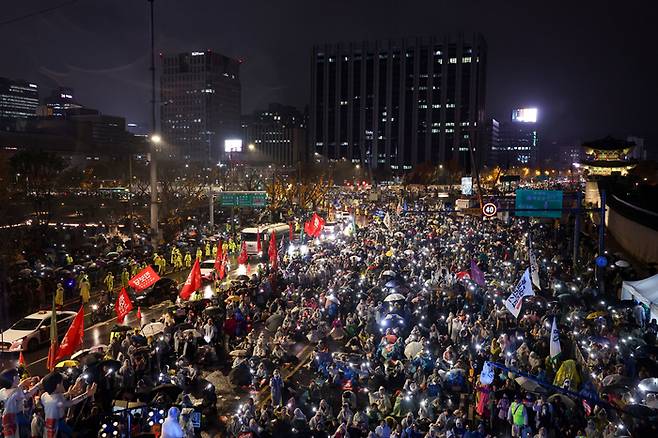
pixel 489 209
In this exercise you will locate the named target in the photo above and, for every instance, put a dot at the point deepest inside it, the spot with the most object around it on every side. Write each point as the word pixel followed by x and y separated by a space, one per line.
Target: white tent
pixel 644 291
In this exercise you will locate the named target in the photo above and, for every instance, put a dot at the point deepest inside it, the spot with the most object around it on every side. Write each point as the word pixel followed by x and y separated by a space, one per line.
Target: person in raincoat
pixel 59 295
pixel 125 277
pixel 199 253
pixel 109 283
pixel 214 251
pixel 171 428
pixel 188 260
pixel 208 252
pixel 85 289
pixel 276 388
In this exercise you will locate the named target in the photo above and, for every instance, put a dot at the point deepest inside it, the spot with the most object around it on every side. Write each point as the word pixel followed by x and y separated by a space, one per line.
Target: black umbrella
pixel 110 364
pixel 642 411
pixel 92 358
pixel 568 299
pixel 240 375
pixel 138 339
pixel 171 390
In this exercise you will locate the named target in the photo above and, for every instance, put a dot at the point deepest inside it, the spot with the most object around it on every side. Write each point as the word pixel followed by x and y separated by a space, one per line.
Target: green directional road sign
pixel 538 203
pixel 243 199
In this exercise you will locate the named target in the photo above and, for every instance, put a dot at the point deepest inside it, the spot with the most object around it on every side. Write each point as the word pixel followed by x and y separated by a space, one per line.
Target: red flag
pixel 272 252
pixel 53 337
pixel 74 336
pixel 318 223
pixel 258 245
pixel 123 305
pixel 243 258
pixel 290 231
pixel 145 278
pixel 139 313
pixel 314 226
pixel 192 283
pixel 21 359
pixel 222 268
pixel 219 257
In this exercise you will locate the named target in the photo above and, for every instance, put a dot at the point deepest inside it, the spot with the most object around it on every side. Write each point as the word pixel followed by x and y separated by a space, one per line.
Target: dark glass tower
pixel 399 103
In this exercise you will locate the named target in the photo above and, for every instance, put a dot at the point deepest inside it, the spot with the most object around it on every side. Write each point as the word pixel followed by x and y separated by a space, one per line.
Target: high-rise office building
pixel 277 135
pixel 58 103
pixel 518 140
pixel 200 96
pixel 490 139
pixel 18 99
pixel 398 103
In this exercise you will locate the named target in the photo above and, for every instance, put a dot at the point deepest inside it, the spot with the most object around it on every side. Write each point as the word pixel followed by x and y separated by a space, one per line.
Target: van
pixel 250 237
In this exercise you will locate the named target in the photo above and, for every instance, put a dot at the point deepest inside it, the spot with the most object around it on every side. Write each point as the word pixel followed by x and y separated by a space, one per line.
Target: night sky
pixel 590 67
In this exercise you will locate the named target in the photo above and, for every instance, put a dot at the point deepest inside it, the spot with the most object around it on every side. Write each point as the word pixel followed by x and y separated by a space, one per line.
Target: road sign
pixel 489 209
pixel 538 203
pixel 243 199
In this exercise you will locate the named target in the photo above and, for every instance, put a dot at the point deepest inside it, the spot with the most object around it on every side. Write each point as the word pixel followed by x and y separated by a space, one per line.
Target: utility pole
pixel 155 232
pixel 601 270
pixel 576 230
pixel 130 198
pixel 211 205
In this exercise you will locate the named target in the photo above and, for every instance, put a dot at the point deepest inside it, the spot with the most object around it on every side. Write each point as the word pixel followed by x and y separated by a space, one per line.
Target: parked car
pixel 34 330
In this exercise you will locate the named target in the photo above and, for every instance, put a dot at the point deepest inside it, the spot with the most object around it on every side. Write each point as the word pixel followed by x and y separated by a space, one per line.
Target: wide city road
pixel 99 334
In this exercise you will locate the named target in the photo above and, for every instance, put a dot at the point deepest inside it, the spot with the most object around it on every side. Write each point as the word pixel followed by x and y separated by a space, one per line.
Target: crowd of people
pixel 381 330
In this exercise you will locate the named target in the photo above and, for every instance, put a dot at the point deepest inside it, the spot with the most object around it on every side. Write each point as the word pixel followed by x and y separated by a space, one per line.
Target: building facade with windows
pixel 399 103
pixel 276 135
pixel 60 101
pixel 18 99
pixel 200 103
pixel 518 140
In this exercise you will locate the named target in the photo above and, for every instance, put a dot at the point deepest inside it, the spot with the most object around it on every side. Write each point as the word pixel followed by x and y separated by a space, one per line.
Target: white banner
pixel 523 288
pixel 534 267
pixel 555 341
pixel 387 221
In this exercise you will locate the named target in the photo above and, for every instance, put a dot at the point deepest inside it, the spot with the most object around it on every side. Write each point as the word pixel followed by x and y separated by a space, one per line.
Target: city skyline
pixel 575 66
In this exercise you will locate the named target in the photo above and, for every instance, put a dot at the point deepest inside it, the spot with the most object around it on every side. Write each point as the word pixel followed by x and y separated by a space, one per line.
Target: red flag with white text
pixel 74 336
pixel 193 281
pixel 219 256
pixel 123 305
pixel 147 277
pixel 243 258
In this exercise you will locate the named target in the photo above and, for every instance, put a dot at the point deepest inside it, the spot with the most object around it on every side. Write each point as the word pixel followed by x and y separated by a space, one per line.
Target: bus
pixel 250 237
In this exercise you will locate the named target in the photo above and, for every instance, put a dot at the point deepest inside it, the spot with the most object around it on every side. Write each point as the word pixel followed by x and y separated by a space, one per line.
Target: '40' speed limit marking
pixel 489 209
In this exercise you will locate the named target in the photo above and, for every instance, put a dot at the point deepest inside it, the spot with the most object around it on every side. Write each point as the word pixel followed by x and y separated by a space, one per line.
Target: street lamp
pixel 155 141
pixel 252 147
pixel 358 166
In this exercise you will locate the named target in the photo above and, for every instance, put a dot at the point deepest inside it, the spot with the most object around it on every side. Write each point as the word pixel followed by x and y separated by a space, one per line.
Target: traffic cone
pixel 21 359
pixel 139 313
